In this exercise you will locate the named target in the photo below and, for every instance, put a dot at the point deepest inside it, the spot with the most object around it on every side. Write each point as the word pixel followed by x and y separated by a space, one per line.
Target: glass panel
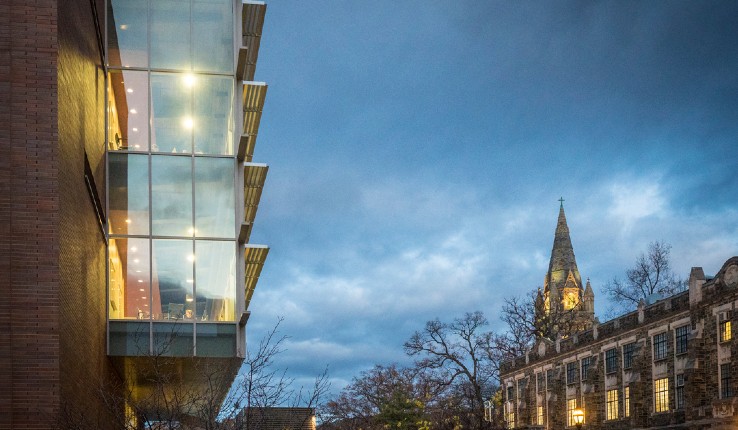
pixel 216 340
pixel 170 34
pixel 173 279
pixel 213 122
pixel 171 107
pixel 129 279
pixel 212 27
pixel 129 111
pixel 216 280
pixel 128 194
pixel 174 339
pixel 127 33
pixel 171 195
pixel 215 207
pixel 129 338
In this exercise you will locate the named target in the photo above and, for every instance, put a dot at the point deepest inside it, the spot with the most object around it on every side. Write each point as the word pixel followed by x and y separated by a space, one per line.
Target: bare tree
pixel 458 354
pixel 651 274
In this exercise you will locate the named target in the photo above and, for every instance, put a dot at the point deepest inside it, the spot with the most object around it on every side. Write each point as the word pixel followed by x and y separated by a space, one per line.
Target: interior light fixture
pixel 140 281
pixel 191 257
pixel 188 123
pixel 130 90
pixel 134 249
pixel 134 129
pixel 189 298
pixel 133 111
pixel 128 221
pixel 124 26
pixel 141 289
pixel 135 260
pixel 189 80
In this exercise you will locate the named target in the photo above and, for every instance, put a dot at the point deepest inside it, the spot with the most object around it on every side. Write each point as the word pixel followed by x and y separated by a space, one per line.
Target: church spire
pixel 562 263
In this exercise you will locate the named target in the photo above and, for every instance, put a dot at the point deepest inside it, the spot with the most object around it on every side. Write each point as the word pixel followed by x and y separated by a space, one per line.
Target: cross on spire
pixel 562 201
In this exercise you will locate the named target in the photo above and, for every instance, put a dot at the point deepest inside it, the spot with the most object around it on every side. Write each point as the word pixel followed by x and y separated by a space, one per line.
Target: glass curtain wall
pixel 171 176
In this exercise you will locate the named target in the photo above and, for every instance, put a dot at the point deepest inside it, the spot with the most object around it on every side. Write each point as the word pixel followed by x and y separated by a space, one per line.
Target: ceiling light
pixel 133 111
pixel 124 26
pixel 130 90
pixel 188 79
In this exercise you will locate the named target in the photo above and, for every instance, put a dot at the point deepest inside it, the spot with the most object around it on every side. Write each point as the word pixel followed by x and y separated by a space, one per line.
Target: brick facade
pixel 52 253
pixel 708 400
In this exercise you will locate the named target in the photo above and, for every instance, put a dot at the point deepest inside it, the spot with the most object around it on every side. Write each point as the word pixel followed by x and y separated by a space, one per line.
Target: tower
pixel 566 305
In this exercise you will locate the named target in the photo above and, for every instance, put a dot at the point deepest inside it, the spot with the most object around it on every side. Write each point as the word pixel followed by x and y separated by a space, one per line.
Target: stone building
pixel 667 365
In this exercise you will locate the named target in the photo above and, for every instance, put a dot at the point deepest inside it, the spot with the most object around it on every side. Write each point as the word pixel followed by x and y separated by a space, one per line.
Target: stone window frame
pixel 540 382
pixel 681 339
pixel 661 395
pixel 725 331
pixel 611 361
pixel 586 364
pixel 572 373
pixel 660 344
pixel 612 408
pixel 726 381
pixel 571 404
pixel 628 354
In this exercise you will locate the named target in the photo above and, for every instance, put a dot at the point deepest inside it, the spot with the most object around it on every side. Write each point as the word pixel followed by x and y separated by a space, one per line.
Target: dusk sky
pixel 418 149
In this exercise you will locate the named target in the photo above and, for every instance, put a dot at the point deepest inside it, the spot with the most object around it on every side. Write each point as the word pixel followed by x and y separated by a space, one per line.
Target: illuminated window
pixel 660 348
pixel 540 416
pixel 726 390
pixel 661 395
pixel 680 391
pixel 626 401
pixel 571 373
pixel 510 416
pixel 628 351
pixel 611 360
pixel 612 404
pixel 726 333
pixel 571 299
pixel 681 334
pixel 571 404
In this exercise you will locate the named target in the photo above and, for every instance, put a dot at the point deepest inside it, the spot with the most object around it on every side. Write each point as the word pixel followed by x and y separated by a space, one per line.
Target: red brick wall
pixel 29 214
pixel 84 365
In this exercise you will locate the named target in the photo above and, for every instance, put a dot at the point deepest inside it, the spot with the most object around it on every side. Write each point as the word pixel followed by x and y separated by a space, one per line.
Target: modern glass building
pixel 182 116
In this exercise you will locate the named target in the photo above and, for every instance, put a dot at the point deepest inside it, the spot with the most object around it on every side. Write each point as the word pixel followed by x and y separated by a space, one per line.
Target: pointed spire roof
pixel 562 260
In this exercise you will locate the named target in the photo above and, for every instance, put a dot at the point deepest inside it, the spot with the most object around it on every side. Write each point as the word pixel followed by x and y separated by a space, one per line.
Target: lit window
pixel 571 404
pixel 661 395
pixel 725 331
pixel 540 416
pixel 571 299
pixel 611 360
pixel 680 391
pixel 612 404
pixel 626 401
pixel 510 416
pixel 726 389
pixel 628 351
pixel 660 349
pixel 681 339
pixel 571 373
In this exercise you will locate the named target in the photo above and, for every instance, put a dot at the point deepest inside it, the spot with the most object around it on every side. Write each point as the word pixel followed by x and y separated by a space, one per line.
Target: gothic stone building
pixel 667 365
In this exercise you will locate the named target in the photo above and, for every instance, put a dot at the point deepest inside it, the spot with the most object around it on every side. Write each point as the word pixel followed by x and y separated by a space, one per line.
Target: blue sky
pixel 417 150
